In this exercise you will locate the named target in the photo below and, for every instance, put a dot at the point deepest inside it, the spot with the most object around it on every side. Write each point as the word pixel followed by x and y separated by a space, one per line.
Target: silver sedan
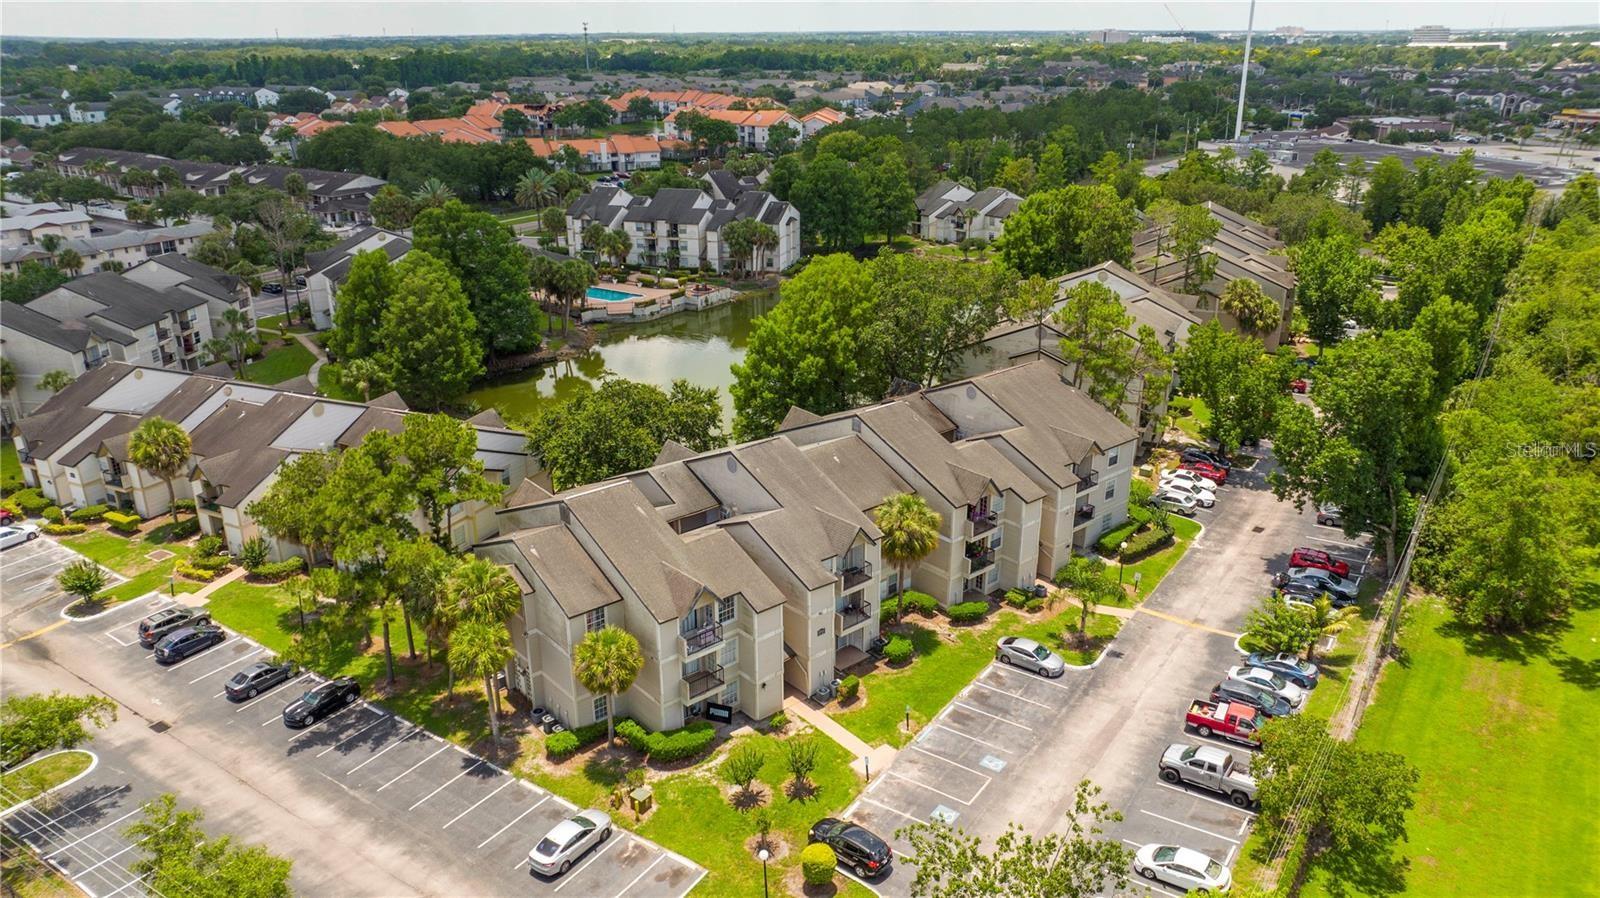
pixel 569 840
pixel 1028 654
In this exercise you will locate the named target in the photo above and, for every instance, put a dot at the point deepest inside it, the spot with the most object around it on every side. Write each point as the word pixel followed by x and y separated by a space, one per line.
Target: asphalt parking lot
pixel 1012 746
pixel 439 801
pixel 28 574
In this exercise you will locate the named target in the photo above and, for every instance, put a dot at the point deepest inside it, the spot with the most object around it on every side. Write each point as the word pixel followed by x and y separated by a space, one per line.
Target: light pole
pixel 764 854
pixel 1120 565
pixel 1130 151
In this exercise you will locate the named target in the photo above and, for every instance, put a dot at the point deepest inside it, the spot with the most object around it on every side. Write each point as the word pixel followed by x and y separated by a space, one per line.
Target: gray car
pixel 1020 651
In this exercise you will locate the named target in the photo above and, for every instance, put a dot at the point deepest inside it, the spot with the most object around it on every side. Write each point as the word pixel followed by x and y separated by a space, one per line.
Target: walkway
pixel 201 596
pixel 867 758
pixel 316 350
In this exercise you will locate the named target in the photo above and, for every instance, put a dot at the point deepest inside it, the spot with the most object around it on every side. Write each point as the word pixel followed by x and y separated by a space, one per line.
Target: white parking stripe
pixel 892 810
pixel 95 833
pixel 641 875
pixel 1217 801
pixel 514 820
pixel 995 716
pixel 940 725
pixel 1011 694
pixel 614 839
pixel 930 754
pixel 247 703
pixel 475 804
pixel 967 802
pixel 113 857
pixel 409 769
pixel 225 666
pixel 1188 826
pixel 369 726
pixel 375 757
pixel 1033 678
pixel 221 645
pixel 443 787
pixel 336 713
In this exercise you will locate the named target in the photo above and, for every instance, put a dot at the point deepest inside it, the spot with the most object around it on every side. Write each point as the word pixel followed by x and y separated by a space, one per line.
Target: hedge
pixel 916 602
pixel 123 523
pixel 183 529
pixel 89 513
pixel 668 745
pixel 850 688
pixel 31 501
pixel 568 741
pixel 1146 543
pixel 53 514
pixel 278 570
pixel 967 612
pixel 184 568
pixel 1017 598
pixel 213 563
pixel 1034 604
pixel 184 505
pixel 1107 543
pixel 898 651
pixel 817 863
pixel 64 529
pixel 561 744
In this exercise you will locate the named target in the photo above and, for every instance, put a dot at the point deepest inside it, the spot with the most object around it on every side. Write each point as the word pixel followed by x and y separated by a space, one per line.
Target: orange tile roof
pixel 401 129
pixel 477 120
pixel 765 118
pixel 630 143
pixel 825 114
pixel 485 108
pixel 542 147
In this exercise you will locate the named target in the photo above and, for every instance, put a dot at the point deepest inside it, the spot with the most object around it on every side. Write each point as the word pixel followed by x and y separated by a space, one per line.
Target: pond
pixel 698 346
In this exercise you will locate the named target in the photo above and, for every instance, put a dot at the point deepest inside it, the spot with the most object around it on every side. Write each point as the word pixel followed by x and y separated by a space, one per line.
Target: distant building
pixel 1430 34
pixel 1384 124
pixel 33 116
pixel 1109 36
pixel 1289 31
pixel 1167 39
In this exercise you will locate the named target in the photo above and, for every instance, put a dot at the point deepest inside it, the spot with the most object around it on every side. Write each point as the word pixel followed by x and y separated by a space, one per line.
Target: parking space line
pixel 95 833
pixel 305 730
pixel 355 734
pixel 443 787
pixel 409 769
pixel 478 802
pixel 1011 694
pixel 1031 677
pixel 1217 801
pixel 247 703
pixel 948 728
pixel 616 837
pixel 1189 826
pixel 901 776
pixel 641 875
pixel 152 599
pixel 995 716
pixel 384 749
pixel 513 821
pixel 224 666
pixel 880 804
pixel 915 747
pixel 113 857
pixel 222 645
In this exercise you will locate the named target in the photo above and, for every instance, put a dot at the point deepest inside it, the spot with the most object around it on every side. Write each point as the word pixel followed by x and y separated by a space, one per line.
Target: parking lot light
pixel 764 854
pixel 1120 563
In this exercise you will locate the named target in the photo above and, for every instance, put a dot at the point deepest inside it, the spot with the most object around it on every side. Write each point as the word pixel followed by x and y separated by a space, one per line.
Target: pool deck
pixel 625 306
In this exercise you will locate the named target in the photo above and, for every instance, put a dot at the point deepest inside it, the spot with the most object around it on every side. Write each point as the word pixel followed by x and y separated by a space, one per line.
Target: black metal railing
pixel 1088 481
pixel 856 574
pixel 852 616
pixel 982 521
pixel 1084 514
pixel 702 638
pixel 699 682
pixel 980 561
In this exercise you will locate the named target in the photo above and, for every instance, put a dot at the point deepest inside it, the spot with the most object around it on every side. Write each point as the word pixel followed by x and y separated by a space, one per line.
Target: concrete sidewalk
pixel 866 757
pixel 200 597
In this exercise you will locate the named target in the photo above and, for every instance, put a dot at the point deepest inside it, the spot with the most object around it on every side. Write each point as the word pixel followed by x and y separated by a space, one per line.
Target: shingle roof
pixel 70 335
pixel 126 302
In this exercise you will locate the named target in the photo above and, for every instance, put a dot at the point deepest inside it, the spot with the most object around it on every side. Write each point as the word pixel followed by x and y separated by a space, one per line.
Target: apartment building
pixel 327 269
pixel 74 448
pixel 40 220
pixel 948 212
pixel 753 127
pixel 617 153
pixel 681 227
pixel 109 251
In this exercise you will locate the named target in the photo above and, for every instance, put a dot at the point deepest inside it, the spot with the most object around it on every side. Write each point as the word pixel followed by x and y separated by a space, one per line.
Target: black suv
pixel 157 625
pixel 181 643
pixel 1267 703
pixel 854 846
pixel 1207 456
pixel 320 702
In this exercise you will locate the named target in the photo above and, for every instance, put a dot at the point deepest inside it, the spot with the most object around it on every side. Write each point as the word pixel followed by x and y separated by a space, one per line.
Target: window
pixel 1111 491
pixel 888 585
pixel 730 696
pixel 730 653
pixel 600 707
pixel 725 610
pixel 1111 460
pixel 155 356
pixel 994 541
pixel 595 620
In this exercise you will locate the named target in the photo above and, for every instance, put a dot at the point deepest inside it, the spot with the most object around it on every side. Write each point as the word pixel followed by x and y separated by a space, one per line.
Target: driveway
pixel 1012 746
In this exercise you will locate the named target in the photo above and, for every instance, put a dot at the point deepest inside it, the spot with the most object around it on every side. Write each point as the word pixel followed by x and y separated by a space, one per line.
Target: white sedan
pixel 1266 679
pixel 569 840
pixel 1182 867
pixel 17 534
pixel 1203 497
pixel 1180 475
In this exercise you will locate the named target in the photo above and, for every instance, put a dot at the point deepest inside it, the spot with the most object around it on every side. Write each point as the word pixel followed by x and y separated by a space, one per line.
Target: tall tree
pixel 491 266
pixel 1094 328
pixel 429 334
pixel 162 448
pixel 1192 231
pixel 1238 381
pixel 1256 312
pixel 606 662
pixel 392 209
pixel 481 648
pixel 1386 190
pixel 291 509
pixel 1057 231
pixel 910 533
pixel 178 858
pixel 829 195
pixel 444 470
pixel 1333 279
pixel 620 426
pixel 35 722
pixel 929 312
pixel 1033 301
pixel 358 306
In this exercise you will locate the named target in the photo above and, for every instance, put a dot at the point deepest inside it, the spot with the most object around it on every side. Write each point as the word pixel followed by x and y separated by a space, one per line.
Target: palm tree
pixel 433 192
pixel 221 350
pixel 70 260
pixel 162 448
pixel 51 244
pixel 762 239
pixel 910 534
pixel 616 246
pixel 1326 620
pixel 238 336
pixel 536 189
pixel 476 590
pixel 607 661
pixel 594 234
pixel 364 376
pixel 482 648
pixel 56 381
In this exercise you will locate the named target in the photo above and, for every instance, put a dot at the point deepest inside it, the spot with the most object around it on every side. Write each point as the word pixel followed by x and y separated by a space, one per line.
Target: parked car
pixel 1206 469
pixel 1179 475
pixel 1291 667
pixel 1330 515
pixel 1208 456
pixel 1177 503
pixel 1266 679
pixel 7 516
pixel 1020 651
pixel 321 701
pixel 1268 703
pixel 274 289
pixel 569 840
pixel 1210 768
pixel 1308 557
pixel 1344 587
pixel 187 641
pixel 1234 722
pixel 1202 497
pixel 1183 868
pixel 17 534
pixel 1300 385
pixel 157 625
pixel 855 846
pixel 256 679
pixel 1307 592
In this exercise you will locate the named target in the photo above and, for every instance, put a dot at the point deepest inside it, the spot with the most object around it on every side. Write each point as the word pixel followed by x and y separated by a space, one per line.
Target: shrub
pixel 743 765
pixel 1146 543
pixel 1107 543
pixel 817 863
pixel 675 745
pixel 800 756
pixel 123 523
pixel 777 722
pixel 89 513
pixel 898 651
pixel 31 501
pixel 1139 492
pixel 281 570
pixel 921 603
pixel 561 744
pixel 253 553
pixel 208 546
pixel 1034 604
pixel 210 562
pixel 635 735
pixel 54 514
pixel 184 505
pixel 850 688
pixel 1017 598
pixel 181 529
pixel 64 529
pixel 184 568
pixel 967 612
pixel 82 578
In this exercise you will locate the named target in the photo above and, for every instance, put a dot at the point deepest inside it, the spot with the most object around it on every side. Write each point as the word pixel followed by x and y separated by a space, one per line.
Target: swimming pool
pixel 604 295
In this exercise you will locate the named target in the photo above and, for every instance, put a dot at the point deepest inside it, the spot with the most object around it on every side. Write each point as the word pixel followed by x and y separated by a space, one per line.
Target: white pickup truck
pixel 1211 768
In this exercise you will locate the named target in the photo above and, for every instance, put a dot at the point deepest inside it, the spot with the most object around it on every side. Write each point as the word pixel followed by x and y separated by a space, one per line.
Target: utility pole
pixel 586 46
pixel 1244 74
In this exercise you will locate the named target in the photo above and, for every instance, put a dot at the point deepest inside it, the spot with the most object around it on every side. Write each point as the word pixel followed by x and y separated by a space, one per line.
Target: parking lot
pixel 1012 746
pixel 438 802
pixel 29 577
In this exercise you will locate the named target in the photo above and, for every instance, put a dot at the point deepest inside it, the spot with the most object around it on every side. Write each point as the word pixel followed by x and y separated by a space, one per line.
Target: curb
pixel 94 761
pixel 110 608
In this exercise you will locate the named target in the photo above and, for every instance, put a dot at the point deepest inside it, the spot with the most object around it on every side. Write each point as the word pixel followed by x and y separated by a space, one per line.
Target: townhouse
pixel 74 448
pixel 33 114
pixel 87 113
pixel 949 212
pixel 38 220
pixel 109 251
pixel 753 127
pixel 1242 248
pixel 681 227
pixel 327 269
pixel 617 153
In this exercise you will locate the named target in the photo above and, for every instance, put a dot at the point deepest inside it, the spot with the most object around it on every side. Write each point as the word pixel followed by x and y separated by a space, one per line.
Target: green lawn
pixel 942 668
pixel 128 556
pixel 10 467
pixel 279 323
pixel 36 777
pixel 1191 415
pixel 1153 569
pixel 23 875
pixel 284 363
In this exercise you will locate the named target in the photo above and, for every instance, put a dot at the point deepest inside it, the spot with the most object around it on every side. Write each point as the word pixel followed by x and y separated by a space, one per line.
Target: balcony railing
pixel 981 522
pixel 186 325
pixel 1083 515
pixel 696 641
pixel 856 574
pixel 979 561
pixel 851 617
pixel 163 334
pixel 1088 481
pixel 112 478
pixel 698 684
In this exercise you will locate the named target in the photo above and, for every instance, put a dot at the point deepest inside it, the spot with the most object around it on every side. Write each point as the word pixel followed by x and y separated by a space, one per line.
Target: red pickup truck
pixel 1229 720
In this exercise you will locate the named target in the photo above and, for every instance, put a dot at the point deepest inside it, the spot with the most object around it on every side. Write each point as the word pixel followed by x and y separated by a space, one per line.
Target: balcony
pixel 696 641
pixel 1088 481
pixel 112 478
pixel 186 325
pixel 980 522
pixel 1083 515
pixel 979 561
pixel 168 358
pixel 851 617
pixel 856 574
pixel 163 334
pixel 700 684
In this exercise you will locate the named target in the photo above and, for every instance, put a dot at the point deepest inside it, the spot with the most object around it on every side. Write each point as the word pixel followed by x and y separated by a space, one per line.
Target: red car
pixel 1306 557
pixel 1220 475
pixel 1299 385
pixel 6 516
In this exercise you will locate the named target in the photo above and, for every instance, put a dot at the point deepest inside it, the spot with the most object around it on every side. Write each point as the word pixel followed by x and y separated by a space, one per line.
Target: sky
pixel 290 19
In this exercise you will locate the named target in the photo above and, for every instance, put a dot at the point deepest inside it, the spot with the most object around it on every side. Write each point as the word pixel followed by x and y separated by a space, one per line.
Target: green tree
pixel 1074 862
pixel 1193 229
pixel 32 279
pixel 69 260
pixel 33 723
pixel 743 765
pixel 443 469
pixel 392 209
pixel 482 648
pixel 358 306
pixel 1106 359
pixel 365 376
pixel 56 381
pixel 536 189
pixel 82 578
pixel 606 662
pixel 1058 231
pixel 1033 301
pixel 910 533
pixel 891 200
pixel 162 448
pixel 1256 312
pixel 808 350
pixel 474 589
pixel 1333 279
pixel 620 426
pixel 930 311
pixel 415 572
pixel 430 337
pixel 1386 190
pixel 492 268
pixel 432 194
pixel 1238 381
pixel 1325 621
pixel 292 507
pixel 1277 626
pixel 179 858
pixel 829 197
